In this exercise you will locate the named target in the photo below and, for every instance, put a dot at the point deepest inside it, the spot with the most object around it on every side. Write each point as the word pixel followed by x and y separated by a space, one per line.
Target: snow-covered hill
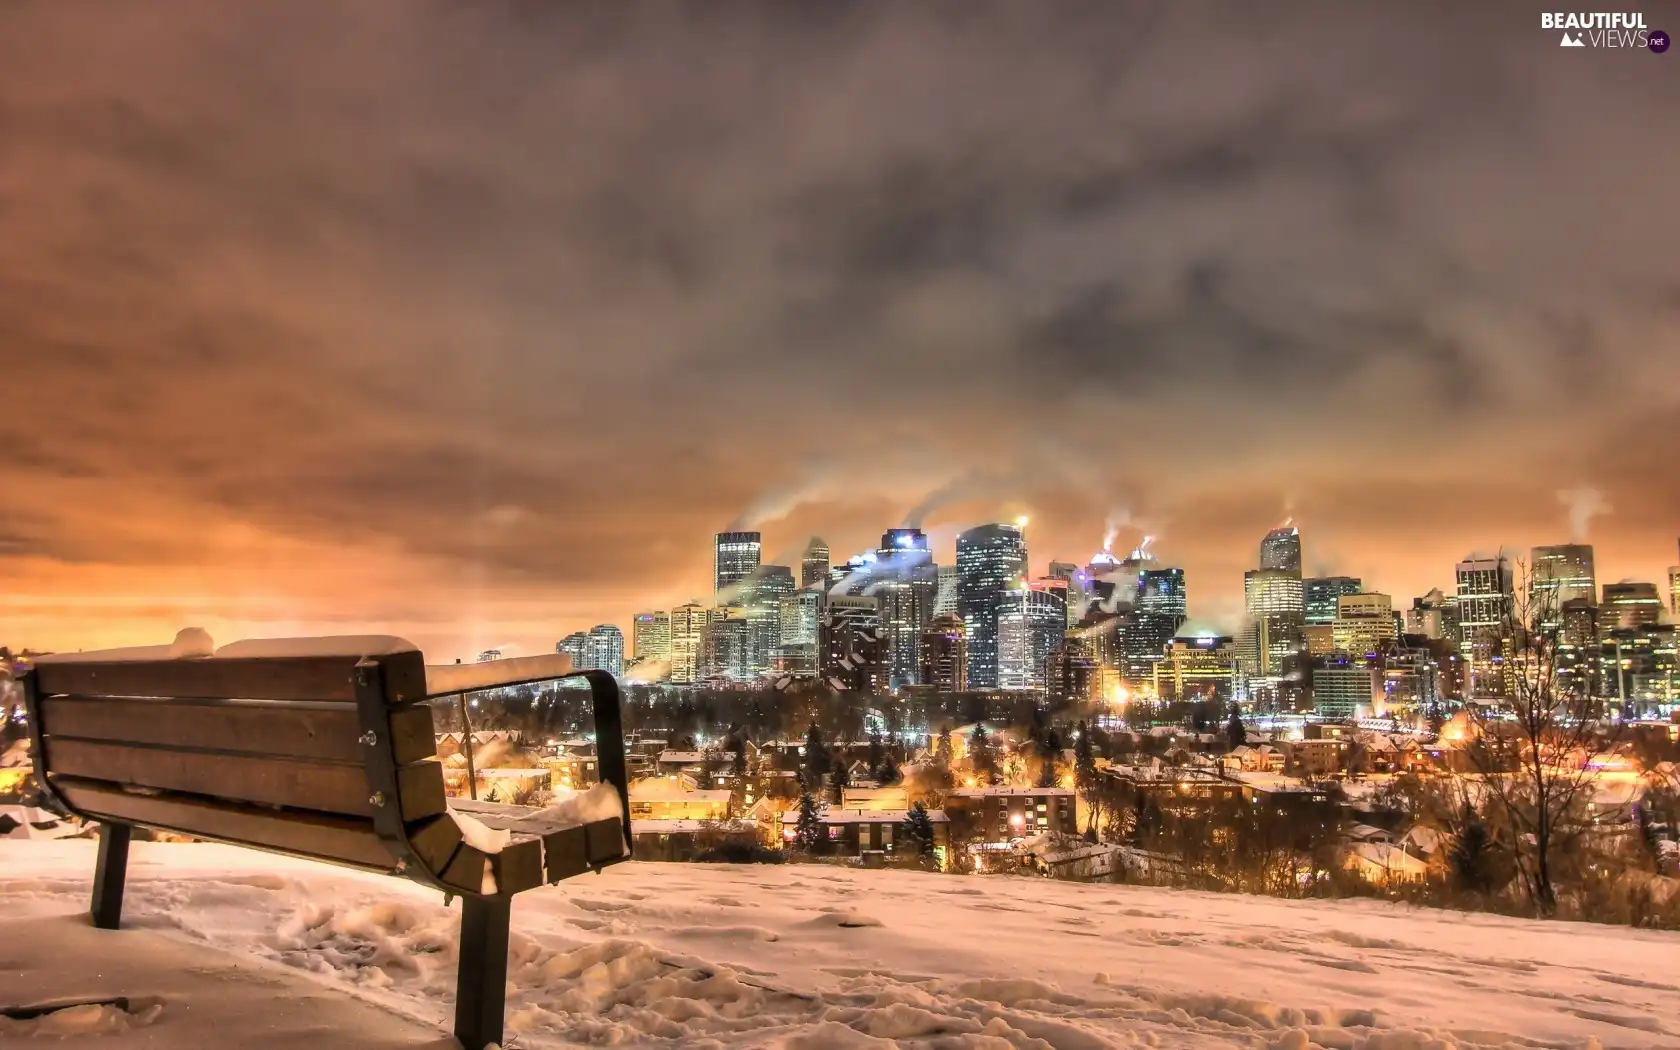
pixel 806 957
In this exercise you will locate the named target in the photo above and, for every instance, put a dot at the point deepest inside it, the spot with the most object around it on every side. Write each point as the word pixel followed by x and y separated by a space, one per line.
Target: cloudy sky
pixel 471 321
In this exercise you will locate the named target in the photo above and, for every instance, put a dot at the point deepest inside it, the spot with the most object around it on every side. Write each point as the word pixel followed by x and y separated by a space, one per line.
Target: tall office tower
pixel 908 588
pixel 1434 616
pixel 1032 622
pixel 734 557
pixel 650 636
pixel 1281 549
pixel 576 646
pixel 605 651
pixel 1319 594
pixel 726 653
pixel 1628 605
pixel 688 639
pixel 1070 672
pixel 1161 590
pixel 1674 591
pixel 1197 665
pixel 1364 624
pixel 1641 669
pixel 1484 607
pixel 944 654
pixel 1067 570
pixel 764 591
pixel 853 647
pixel 990 560
pixel 1558 574
pixel 1273 631
pixel 1345 687
pixel 801 629
pixel 813 567
pixel 949 589
pixel 1578 651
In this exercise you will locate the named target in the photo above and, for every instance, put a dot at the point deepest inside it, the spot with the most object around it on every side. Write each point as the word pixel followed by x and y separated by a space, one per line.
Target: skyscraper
pixel 605 651
pixel 1273 632
pixel 801 629
pixel 949 589
pixel 1484 607
pixel 576 646
pixel 990 558
pixel 1558 574
pixel 1032 622
pixel 1319 594
pixel 944 654
pixel 1364 624
pixel 1628 605
pixel 907 587
pixel 726 649
pixel 1067 570
pixel 1281 549
pixel 1161 590
pixel 1196 666
pixel 1674 590
pixel 734 557
pixel 853 644
pixel 1434 615
pixel 813 567
pixel 765 590
pixel 650 636
pixel 688 638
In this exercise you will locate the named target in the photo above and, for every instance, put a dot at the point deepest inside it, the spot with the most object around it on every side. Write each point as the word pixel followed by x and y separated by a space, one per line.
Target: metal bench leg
pixel 109 876
pixel 481 980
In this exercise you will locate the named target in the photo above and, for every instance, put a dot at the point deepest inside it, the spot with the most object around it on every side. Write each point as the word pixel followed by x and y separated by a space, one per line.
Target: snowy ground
pixel 806 957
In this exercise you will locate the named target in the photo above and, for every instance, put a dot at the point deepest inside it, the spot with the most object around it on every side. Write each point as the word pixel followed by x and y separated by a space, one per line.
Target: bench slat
pixel 284 729
pixel 341 840
pixel 323 787
pixel 249 678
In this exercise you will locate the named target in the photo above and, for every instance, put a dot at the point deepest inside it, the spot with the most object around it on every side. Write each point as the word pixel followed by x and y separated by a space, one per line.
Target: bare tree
pixel 1532 743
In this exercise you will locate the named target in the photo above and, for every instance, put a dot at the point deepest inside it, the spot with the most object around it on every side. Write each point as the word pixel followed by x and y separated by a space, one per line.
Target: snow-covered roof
pixel 656 789
pixel 683 758
pixel 641 826
pixel 866 816
pixel 988 792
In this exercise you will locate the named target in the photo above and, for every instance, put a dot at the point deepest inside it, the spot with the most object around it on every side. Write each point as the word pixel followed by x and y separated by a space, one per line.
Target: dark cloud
pixel 479 318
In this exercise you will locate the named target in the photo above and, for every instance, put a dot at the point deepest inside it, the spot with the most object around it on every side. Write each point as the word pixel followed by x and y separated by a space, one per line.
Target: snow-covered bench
pixel 320 748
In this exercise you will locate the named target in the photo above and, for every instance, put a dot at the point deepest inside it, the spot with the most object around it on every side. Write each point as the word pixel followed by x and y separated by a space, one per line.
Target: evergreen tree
pixel 1471 853
pixel 739 764
pixel 1235 735
pixel 816 758
pixel 839 780
pixel 918 829
pixel 1085 779
pixel 942 746
pixel 874 759
pixel 1049 751
pixel 888 773
pixel 980 754
pixel 809 834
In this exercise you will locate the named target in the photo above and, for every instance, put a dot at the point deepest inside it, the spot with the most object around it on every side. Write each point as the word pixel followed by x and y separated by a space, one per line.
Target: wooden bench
pixel 316 748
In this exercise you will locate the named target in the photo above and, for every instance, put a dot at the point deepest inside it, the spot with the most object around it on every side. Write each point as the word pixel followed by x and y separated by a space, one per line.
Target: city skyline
pixel 474 326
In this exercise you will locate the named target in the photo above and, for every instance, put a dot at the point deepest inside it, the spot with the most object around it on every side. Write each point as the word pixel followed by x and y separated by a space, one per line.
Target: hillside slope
pixel 807 957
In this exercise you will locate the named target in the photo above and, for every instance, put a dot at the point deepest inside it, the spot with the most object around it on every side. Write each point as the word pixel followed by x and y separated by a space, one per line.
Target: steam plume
pixel 1584 504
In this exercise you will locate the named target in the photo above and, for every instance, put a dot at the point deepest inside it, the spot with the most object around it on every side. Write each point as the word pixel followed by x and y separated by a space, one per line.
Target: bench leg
pixel 481 979
pixel 109 876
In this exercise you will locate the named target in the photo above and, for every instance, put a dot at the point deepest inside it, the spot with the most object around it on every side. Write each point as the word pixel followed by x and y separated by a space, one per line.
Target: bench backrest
pixel 265 750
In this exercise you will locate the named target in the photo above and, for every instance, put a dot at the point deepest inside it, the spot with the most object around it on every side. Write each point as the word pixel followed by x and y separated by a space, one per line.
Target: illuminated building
pixel 813 567
pixel 1320 638
pixel 946 603
pixel 1273 630
pixel 1484 609
pixel 764 592
pixel 688 639
pixel 853 645
pixel 1434 616
pixel 1674 590
pixel 576 646
pixel 1344 687
pixel 990 560
pixel 734 558
pixel 1161 590
pixel 907 588
pixel 1068 571
pixel 1640 669
pixel 1409 682
pixel 1558 574
pixel 1031 624
pixel 1197 666
pixel 800 620
pixel 605 651
pixel 1364 624
pixel 727 649
pixel 1629 605
pixel 944 654
pixel 1319 594
pixel 650 636
pixel 1579 656
pixel 1071 672
pixel 1280 550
